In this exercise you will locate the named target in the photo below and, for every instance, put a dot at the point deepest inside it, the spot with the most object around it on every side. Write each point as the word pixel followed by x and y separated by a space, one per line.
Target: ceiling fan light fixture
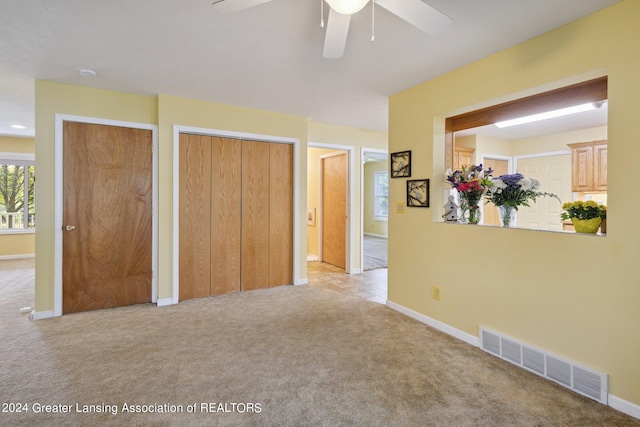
pixel 347 7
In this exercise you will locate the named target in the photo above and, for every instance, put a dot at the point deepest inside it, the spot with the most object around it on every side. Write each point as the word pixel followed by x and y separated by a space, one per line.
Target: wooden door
pixel 195 216
pixel 600 167
pixel 226 173
pixel 334 210
pixel 581 167
pixel 490 211
pixel 280 214
pixel 255 215
pixel 236 215
pixel 107 215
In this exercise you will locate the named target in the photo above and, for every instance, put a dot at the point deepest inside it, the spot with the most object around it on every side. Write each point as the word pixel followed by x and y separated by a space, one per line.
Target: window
pixel 381 198
pixel 17 191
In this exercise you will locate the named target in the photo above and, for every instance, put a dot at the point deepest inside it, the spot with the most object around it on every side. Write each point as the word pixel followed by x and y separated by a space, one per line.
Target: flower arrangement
pixel 515 190
pixel 471 184
pixel 583 210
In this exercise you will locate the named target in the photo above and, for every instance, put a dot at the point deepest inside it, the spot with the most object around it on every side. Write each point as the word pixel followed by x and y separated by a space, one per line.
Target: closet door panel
pixel 255 215
pixel 280 214
pixel 226 173
pixel 195 216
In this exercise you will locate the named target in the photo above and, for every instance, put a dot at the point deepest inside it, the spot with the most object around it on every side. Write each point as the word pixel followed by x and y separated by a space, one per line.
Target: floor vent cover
pixel 583 380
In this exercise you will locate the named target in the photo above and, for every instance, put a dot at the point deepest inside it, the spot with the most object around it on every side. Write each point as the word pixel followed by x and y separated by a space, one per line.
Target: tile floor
pixel 371 285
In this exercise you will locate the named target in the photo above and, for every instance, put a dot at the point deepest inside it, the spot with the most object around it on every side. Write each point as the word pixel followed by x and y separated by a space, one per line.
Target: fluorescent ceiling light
pixel 547 115
pixel 18 127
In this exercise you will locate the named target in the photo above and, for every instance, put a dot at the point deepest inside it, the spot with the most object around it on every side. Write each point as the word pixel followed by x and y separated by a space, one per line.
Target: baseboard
pixel 450 330
pixel 301 282
pixel 615 402
pixel 38 315
pixel 18 256
pixel 312 258
pixel 624 406
pixel 382 236
pixel 164 302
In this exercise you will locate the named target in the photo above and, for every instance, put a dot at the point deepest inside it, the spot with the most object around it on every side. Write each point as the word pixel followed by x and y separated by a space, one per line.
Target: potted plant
pixel 585 216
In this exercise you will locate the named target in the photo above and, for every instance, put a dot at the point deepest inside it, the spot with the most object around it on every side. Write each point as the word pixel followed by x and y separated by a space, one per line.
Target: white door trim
pixel 58 200
pixel 177 130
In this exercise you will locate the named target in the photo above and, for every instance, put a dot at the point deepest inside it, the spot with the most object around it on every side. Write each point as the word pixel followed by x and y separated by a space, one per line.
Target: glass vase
pixel 507 215
pixel 474 214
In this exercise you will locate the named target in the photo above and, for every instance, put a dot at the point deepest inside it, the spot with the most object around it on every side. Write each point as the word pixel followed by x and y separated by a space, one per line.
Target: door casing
pixel 350 202
pixel 58 200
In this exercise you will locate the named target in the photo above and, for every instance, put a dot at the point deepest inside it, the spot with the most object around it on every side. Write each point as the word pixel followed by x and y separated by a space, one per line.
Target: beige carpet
pixel 305 356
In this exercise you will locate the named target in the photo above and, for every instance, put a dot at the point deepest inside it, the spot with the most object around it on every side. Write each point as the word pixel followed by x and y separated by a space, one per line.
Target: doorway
pixel 375 208
pixel 106 214
pixel 500 166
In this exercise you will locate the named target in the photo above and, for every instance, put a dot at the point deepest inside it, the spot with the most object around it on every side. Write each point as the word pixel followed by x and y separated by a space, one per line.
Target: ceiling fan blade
pixel 335 38
pixel 418 14
pixel 230 6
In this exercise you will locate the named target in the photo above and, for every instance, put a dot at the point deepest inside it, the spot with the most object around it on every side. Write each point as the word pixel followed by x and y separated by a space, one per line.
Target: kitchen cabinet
pixel 589 166
pixel 462 156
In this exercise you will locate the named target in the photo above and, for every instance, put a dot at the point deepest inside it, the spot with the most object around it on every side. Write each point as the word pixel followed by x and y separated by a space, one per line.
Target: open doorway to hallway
pixel 375 208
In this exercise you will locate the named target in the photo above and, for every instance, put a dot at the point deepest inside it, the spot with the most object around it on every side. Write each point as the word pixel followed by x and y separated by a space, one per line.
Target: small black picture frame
pixel 400 164
pixel 418 193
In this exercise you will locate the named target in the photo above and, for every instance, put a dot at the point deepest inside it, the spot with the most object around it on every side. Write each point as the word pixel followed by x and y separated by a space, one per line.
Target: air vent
pixel 490 342
pixel 512 351
pixel 533 360
pixel 580 379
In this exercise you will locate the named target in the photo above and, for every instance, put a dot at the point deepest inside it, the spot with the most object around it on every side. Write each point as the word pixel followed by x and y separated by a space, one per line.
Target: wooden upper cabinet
pixel 589 166
pixel 462 156
pixel 600 167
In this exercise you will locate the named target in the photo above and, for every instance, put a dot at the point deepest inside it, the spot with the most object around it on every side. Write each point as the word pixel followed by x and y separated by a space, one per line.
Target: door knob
pixel 70 227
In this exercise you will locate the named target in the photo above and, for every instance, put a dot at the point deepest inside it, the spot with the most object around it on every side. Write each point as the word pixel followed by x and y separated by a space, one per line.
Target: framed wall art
pixel 311 217
pixel 418 193
pixel 400 164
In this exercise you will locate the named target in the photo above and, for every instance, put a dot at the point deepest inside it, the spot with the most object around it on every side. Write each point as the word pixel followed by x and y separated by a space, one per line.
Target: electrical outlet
pixel 436 292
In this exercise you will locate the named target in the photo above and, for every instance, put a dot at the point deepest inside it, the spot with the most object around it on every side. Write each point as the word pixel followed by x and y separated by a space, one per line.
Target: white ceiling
pixel 268 57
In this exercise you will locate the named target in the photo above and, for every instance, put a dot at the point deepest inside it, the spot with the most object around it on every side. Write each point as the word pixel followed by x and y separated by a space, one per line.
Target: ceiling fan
pixel 415 12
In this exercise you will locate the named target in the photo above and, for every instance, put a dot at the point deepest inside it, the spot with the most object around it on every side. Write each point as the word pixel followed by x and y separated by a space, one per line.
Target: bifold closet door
pixel 195 216
pixel 236 215
pixel 255 215
pixel 226 172
pixel 280 214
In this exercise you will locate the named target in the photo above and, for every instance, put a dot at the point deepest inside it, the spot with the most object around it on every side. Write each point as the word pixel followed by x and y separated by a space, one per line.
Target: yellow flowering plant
pixel 583 210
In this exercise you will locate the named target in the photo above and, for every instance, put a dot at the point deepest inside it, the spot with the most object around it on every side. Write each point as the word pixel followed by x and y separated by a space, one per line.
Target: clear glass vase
pixel 507 215
pixel 470 212
pixel 474 214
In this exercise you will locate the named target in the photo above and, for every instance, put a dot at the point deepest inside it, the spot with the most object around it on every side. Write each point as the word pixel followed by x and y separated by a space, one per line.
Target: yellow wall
pixel 17 244
pixel 52 98
pixel 10 144
pixel 188 112
pixel 165 111
pixel 372 225
pixel 575 296
pixel 557 141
